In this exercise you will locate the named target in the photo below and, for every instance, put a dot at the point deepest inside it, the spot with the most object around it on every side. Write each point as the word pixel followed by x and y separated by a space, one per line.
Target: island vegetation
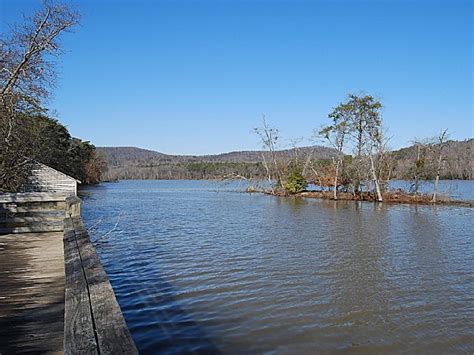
pixel 362 164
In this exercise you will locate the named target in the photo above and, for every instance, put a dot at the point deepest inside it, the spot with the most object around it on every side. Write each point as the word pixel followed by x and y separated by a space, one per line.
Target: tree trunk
pixel 269 176
pixel 417 184
pixel 441 142
pixel 360 132
pixel 335 179
pixel 435 190
pixel 376 180
pixel 438 172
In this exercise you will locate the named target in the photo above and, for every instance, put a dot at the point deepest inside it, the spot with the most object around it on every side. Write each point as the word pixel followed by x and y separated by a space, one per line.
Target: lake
pixel 200 267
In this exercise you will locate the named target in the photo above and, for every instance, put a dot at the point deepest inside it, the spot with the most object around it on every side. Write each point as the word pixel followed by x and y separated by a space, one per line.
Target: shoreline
pixel 391 197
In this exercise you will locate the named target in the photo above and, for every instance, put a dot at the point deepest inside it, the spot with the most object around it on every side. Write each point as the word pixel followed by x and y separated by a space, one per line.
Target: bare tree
pixel 438 149
pixel 419 169
pixel 335 134
pixel 269 137
pixel 376 149
pixel 376 152
pixel 26 77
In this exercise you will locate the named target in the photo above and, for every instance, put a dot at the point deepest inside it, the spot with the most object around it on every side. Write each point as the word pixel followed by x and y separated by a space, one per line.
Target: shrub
pixel 295 181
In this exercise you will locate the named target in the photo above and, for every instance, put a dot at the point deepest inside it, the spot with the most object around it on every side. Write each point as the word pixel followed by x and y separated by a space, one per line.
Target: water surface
pixel 199 267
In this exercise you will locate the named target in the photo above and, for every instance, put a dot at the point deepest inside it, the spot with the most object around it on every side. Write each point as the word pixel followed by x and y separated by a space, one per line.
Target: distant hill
pixel 117 156
pixel 126 155
pixel 137 163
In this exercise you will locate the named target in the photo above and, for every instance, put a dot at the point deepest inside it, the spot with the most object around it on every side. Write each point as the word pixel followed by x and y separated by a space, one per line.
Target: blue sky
pixel 194 77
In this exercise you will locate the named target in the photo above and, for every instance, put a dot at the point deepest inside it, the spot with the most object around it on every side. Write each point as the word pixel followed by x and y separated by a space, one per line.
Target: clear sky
pixel 193 77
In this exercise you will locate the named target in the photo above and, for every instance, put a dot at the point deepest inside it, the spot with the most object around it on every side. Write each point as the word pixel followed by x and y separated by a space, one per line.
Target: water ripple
pixel 196 270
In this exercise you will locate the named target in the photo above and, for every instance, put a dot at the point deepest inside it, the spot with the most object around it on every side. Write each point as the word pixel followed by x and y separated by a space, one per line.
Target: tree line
pixel 136 163
pixel 28 55
pixel 191 170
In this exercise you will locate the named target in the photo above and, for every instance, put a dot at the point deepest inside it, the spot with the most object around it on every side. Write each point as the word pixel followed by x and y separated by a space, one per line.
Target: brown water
pixel 199 270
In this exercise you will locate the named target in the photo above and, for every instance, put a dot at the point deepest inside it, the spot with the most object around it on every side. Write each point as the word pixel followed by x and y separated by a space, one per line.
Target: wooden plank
pixel 28 213
pixel 31 293
pixel 112 332
pixel 31 219
pixel 36 227
pixel 79 337
pixel 31 197
pixel 53 223
pixel 31 229
pixel 33 206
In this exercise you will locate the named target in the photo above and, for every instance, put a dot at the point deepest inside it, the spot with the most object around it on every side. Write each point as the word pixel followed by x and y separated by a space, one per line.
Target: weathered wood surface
pixel 32 212
pixel 111 333
pixel 31 229
pixel 45 178
pixel 79 337
pixel 31 293
pixel 31 197
pixel 43 218
pixel 73 206
pixel 58 206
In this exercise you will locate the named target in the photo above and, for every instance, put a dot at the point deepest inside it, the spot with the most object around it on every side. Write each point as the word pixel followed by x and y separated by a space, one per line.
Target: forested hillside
pixel 136 163
pixel 457 162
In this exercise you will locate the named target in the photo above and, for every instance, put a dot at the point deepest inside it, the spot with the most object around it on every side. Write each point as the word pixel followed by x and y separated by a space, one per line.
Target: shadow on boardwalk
pixel 31 293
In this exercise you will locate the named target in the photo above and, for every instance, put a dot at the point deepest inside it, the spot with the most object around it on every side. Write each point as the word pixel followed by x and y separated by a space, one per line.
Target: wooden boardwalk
pixel 55 296
pixel 31 293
